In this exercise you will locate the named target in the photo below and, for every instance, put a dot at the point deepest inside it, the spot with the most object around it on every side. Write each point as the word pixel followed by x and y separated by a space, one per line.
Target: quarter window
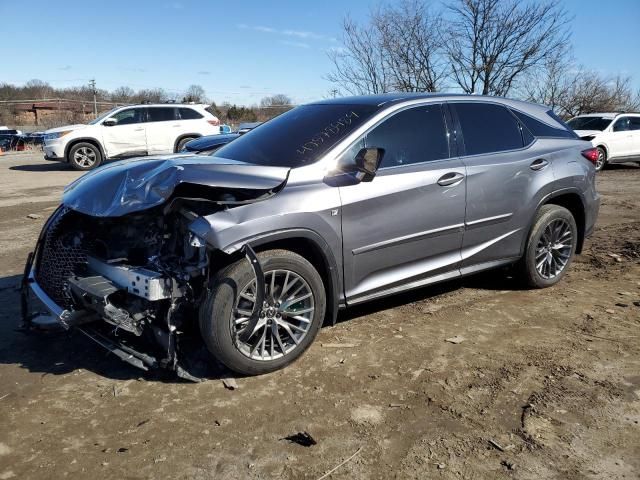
pixel 541 129
pixel 161 114
pixel 411 136
pixel 188 114
pixel 488 128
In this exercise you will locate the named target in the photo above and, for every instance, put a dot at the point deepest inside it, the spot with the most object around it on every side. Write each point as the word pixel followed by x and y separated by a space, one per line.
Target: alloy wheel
pixel 85 157
pixel 554 248
pixel 600 160
pixel 284 320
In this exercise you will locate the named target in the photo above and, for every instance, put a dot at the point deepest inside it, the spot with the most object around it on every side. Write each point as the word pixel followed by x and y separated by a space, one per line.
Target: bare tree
pixel 195 93
pixel 123 95
pixel 359 64
pixel 278 100
pixel 398 49
pixel 412 46
pixel 491 43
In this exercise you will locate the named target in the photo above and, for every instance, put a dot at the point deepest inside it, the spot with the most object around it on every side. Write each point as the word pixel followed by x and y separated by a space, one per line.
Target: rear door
pixel 163 129
pixel 127 137
pixel 506 175
pixel 404 227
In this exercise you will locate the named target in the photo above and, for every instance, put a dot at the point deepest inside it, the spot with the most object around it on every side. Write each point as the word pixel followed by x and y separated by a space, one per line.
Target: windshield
pixel 298 137
pixel 589 123
pixel 101 117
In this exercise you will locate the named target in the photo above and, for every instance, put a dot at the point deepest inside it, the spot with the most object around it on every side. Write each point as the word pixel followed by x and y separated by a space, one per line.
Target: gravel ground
pixel 546 384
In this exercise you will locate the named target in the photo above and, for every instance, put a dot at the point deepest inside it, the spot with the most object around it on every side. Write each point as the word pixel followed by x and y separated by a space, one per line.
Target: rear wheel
pixel 289 319
pixel 601 161
pixel 182 143
pixel 84 156
pixel 550 247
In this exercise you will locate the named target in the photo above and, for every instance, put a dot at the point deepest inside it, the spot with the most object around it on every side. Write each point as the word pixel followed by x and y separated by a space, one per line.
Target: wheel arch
pixel 307 244
pixel 572 201
pixel 182 137
pixel 94 141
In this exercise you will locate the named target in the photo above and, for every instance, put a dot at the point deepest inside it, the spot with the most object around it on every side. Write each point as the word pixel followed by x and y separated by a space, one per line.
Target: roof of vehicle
pixel 610 115
pixel 200 105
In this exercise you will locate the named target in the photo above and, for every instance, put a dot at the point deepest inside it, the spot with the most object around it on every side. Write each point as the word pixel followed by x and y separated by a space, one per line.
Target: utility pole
pixel 92 84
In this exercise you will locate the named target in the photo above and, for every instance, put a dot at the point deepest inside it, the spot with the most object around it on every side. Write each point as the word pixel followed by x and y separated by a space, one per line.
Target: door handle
pixel 538 164
pixel 450 178
pixel 138 129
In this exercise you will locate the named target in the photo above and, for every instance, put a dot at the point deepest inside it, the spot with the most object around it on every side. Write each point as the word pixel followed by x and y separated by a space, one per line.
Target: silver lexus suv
pixel 328 205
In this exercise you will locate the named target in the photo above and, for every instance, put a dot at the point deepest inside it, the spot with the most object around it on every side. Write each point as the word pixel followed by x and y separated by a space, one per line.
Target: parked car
pixel 129 131
pixel 615 135
pixel 248 126
pixel 208 144
pixel 326 206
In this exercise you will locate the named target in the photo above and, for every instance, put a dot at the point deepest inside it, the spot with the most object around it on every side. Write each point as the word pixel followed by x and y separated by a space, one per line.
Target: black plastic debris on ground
pixel 301 438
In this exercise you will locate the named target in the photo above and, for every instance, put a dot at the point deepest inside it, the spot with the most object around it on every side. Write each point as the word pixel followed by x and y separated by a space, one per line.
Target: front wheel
pixel 84 156
pixel 289 319
pixel 550 247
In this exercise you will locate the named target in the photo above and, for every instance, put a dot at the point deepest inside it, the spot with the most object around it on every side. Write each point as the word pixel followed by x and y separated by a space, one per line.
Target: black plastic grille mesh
pixel 60 254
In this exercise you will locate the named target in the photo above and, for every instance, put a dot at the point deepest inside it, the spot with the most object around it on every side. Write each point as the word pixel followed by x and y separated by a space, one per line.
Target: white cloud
pixel 295 44
pixel 302 34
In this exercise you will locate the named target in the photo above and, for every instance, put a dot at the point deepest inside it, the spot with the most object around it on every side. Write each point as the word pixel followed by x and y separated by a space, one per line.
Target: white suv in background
pixel 129 131
pixel 616 136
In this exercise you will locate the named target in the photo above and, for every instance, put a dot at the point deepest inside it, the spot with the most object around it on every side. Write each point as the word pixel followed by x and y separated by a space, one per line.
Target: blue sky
pixel 238 51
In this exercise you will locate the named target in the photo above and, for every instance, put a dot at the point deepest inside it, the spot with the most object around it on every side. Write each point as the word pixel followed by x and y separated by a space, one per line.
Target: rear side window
pixel 189 114
pixel 411 136
pixel 488 128
pixel 161 114
pixel 541 129
pixel 634 123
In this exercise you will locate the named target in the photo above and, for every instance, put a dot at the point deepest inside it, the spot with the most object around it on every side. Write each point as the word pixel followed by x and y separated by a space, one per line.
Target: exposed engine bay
pixel 137 277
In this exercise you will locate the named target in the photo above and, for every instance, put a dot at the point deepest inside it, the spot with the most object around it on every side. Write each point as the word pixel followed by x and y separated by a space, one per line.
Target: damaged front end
pixel 119 262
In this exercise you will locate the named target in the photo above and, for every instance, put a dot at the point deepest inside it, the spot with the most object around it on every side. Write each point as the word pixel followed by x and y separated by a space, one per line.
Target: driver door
pixel 127 137
pixel 404 228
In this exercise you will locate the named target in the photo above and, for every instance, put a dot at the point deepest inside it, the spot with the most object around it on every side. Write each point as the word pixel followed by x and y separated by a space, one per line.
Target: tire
pixel 601 162
pixel 84 156
pixel 182 143
pixel 224 306
pixel 532 272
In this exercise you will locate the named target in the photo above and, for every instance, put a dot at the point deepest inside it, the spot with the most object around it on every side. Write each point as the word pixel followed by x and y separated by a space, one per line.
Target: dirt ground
pixel 546 384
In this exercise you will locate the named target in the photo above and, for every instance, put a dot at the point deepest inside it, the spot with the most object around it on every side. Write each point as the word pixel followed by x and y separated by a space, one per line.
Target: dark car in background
pixel 211 143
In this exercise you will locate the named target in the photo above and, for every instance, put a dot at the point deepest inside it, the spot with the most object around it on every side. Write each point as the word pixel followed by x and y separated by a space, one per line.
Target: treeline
pixel 37 90
pixel 489 47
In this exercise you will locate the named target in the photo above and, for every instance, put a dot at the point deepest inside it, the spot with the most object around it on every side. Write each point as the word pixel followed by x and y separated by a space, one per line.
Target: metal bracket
pixel 258 273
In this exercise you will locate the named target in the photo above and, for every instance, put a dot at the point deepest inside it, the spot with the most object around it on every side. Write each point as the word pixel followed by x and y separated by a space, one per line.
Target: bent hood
pixel 138 184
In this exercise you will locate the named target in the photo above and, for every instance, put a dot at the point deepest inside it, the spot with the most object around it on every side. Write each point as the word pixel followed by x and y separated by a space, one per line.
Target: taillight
pixel 590 154
pixel 214 122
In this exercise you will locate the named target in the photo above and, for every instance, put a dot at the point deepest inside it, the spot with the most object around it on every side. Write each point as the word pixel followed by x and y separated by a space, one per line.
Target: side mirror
pixel 362 168
pixel 367 162
pixel 110 122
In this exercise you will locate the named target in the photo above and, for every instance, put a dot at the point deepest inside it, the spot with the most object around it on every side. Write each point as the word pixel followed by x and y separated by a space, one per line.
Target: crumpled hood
pixel 133 185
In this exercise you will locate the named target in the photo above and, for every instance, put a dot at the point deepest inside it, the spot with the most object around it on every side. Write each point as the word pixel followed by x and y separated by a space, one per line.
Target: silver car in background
pixel 326 206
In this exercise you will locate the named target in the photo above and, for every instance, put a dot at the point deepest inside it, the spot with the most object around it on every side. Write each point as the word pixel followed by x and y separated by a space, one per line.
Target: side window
pixel 634 123
pixel 488 128
pixel 411 136
pixel 188 114
pixel 541 129
pixel 622 125
pixel 129 116
pixel 161 114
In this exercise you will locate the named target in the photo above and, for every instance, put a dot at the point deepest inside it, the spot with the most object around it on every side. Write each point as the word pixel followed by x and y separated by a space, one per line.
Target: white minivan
pixel 134 130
